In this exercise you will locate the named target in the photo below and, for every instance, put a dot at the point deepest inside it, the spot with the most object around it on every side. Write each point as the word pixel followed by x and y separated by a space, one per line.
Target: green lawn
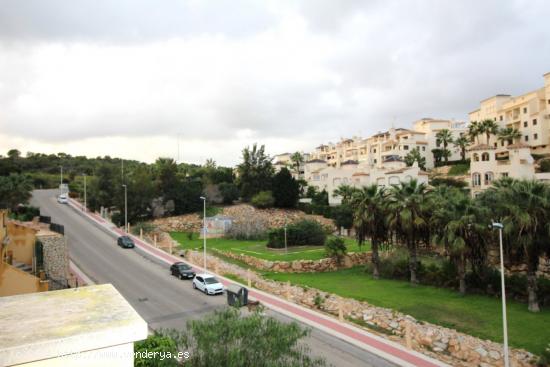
pixel 473 314
pixel 259 249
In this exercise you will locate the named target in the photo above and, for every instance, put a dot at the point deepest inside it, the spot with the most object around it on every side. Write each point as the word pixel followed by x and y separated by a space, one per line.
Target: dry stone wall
pixel 56 259
pixel 450 346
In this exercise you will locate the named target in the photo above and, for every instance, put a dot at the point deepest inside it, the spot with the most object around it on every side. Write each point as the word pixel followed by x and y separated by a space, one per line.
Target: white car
pixel 208 284
pixel 63 199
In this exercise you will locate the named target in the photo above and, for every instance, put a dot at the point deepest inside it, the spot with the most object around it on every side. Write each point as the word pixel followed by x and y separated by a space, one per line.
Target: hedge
pixel 303 233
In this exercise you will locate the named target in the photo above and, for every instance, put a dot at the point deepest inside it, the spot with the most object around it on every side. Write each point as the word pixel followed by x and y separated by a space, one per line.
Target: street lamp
pixel 125 207
pixel 286 247
pixel 85 207
pixel 204 230
pixel 499 226
pixel 61 177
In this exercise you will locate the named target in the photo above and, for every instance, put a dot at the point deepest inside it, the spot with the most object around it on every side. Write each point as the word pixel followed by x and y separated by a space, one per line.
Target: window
pixel 405 147
pixel 524 109
pixel 501 117
pixel 525 124
pixel 374 160
pixel 535 136
pixel 374 150
pixel 534 122
pixel 488 178
pixel 476 157
pixel 496 144
pixel 438 143
pixel 526 137
pixel 502 143
pixel 423 149
pixel 476 179
pixel 485 157
pixel 504 174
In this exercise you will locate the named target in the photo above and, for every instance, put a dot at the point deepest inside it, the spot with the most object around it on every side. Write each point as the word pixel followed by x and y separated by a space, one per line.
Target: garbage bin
pixel 236 295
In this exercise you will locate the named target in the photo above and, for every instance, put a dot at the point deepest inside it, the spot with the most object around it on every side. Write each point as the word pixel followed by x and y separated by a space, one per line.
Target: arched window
pixel 476 157
pixel 393 180
pixel 476 179
pixel 485 157
pixel 488 178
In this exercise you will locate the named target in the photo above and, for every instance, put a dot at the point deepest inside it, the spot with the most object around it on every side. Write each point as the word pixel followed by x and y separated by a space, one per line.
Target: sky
pixel 194 79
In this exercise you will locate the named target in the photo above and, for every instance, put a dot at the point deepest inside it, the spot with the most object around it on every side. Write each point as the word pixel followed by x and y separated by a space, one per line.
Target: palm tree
pixel 457 217
pixel 345 192
pixel 297 160
pixel 462 142
pixel 509 134
pixel 474 129
pixel 489 127
pixel 369 218
pixel 524 208
pixel 445 137
pixel 415 156
pixel 406 217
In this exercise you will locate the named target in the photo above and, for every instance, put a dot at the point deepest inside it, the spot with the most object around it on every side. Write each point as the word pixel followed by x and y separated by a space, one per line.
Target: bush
pixel 157 343
pixel 263 199
pixel 302 233
pixel 342 215
pixel 25 213
pixel 229 192
pixel 145 226
pixel 459 169
pixel 336 248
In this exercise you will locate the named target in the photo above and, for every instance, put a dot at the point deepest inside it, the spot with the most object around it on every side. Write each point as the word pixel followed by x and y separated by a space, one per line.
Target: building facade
pixel 529 113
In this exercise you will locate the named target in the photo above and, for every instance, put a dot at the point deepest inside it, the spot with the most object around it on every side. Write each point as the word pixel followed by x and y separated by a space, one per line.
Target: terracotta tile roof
pixel 396 171
pixel 481 147
pixel 316 161
pixel 518 146
pixel 349 161
pixel 360 174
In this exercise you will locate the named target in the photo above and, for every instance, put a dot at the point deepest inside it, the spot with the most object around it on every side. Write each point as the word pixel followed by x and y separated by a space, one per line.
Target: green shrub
pixel 302 233
pixel 336 248
pixel 159 343
pixel 229 192
pixel 145 226
pixel 263 199
pixel 459 169
pixel 25 213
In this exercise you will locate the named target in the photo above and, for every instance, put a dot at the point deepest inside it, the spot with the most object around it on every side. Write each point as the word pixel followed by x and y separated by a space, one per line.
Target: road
pixel 161 299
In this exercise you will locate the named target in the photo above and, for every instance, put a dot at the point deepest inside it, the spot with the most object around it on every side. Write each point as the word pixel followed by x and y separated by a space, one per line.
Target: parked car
pixel 125 242
pixel 63 199
pixel 182 270
pixel 208 284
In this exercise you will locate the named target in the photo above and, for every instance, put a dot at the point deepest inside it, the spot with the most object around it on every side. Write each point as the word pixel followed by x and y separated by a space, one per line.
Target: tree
pixel 141 192
pixel 345 192
pixel 14 154
pixel 229 192
pixel 342 216
pixel 15 189
pixel 229 339
pixel 488 127
pixel 523 206
pixel 286 190
pixel 509 134
pixel 263 200
pixel 445 137
pixel 255 172
pixel 462 143
pixel 369 217
pixel 297 160
pixel 105 188
pixel 474 129
pixel 415 156
pixel 406 214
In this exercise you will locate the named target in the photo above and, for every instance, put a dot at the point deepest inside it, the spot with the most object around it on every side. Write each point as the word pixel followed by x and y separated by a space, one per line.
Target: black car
pixel 182 270
pixel 125 242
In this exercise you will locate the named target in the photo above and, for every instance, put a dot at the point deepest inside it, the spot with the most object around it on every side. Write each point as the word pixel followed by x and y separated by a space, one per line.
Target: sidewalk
pixel 384 348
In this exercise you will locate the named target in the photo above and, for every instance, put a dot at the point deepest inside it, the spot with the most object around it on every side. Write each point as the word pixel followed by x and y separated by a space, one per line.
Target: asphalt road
pixel 161 299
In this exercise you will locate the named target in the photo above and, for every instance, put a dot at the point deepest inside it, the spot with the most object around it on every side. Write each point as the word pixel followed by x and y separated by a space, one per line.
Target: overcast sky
pixel 131 78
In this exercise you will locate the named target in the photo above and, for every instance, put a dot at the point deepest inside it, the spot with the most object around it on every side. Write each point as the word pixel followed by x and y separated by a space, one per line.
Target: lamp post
pixel 203 198
pixel 61 176
pixel 125 207
pixel 85 206
pixel 499 226
pixel 286 247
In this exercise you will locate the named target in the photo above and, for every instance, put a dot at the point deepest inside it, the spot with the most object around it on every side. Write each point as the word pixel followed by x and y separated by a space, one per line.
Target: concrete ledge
pixel 41 326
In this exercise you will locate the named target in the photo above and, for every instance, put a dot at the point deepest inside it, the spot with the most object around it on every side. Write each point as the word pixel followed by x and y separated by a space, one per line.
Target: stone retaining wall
pixel 56 259
pixel 303 266
pixel 450 346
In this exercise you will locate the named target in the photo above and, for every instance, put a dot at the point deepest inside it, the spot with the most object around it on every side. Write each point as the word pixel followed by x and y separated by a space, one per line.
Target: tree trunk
pixel 413 263
pixel 375 260
pixel 463 153
pixel 532 290
pixel 461 268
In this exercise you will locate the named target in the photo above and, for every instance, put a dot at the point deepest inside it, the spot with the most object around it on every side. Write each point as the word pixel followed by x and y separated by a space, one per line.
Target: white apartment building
pixel 285 160
pixel 529 113
pixel 324 176
pixel 393 144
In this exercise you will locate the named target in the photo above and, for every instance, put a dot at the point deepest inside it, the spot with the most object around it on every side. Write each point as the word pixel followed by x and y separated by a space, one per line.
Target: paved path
pixel 164 301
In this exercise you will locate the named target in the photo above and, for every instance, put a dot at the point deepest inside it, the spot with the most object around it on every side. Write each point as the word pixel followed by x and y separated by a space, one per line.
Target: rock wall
pixel 543 271
pixel 56 259
pixel 450 346
pixel 303 266
pixel 274 218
